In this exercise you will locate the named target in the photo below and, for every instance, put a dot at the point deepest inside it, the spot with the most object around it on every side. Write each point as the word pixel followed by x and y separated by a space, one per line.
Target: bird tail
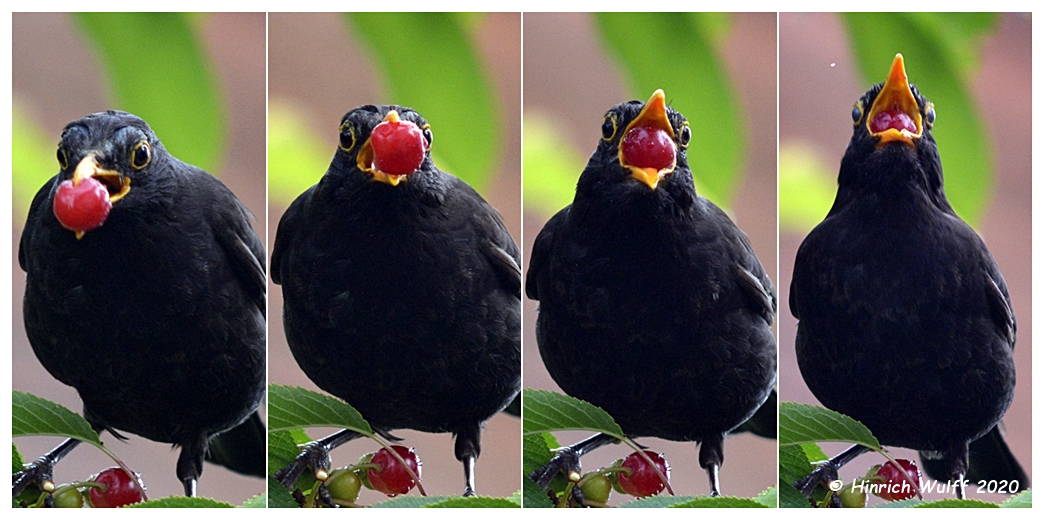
pixel 242 449
pixel 763 422
pixel 989 459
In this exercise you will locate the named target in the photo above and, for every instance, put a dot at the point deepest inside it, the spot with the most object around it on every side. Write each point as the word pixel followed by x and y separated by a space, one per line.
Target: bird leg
pixel 315 454
pixel 712 456
pixel 827 472
pixel 956 461
pixel 467 449
pixel 42 470
pixel 190 463
pixel 567 460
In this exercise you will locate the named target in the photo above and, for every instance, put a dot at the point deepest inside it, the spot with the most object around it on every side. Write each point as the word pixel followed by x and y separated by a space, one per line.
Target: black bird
pixel 401 292
pixel 904 319
pixel 157 317
pixel 653 304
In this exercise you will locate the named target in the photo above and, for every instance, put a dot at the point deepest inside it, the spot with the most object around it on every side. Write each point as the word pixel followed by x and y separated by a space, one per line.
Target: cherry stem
pixel 365 466
pixel 641 453
pixel 905 474
pixel 127 470
pixel 395 453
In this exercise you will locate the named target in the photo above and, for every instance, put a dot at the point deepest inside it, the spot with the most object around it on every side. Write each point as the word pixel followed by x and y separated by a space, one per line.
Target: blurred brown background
pixel 317 66
pixel 569 78
pixel 818 85
pixel 57 80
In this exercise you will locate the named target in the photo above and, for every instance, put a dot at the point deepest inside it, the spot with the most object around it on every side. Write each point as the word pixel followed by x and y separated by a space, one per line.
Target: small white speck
pixel 832 65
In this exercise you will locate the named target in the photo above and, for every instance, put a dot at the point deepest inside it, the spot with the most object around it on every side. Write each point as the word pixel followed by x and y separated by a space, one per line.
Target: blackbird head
pixel 103 152
pixel 892 139
pixel 386 143
pixel 642 147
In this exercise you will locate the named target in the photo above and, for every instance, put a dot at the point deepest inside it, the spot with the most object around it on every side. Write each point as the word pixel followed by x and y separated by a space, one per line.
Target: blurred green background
pixel 462 73
pixel 199 81
pixel 976 69
pixel 719 70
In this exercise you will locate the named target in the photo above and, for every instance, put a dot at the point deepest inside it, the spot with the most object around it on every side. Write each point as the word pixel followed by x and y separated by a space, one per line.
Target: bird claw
pixel 822 475
pixel 40 471
pixel 566 460
pixel 315 455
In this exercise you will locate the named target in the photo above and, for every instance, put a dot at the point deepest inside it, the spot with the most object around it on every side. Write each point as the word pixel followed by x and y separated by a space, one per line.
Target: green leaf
pixel 297 158
pixel 256 502
pixel 909 503
pixel 544 411
pixel 32 415
pixel 1024 499
pixel 551 166
pixel 535 454
pixel 472 502
pixel 807 186
pixel 282 450
pixel 411 501
pixel 700 502
pixel 16 459
pixel 793 464
pixel 951 503
pixel 937 49
pixel 668 51
pixel 516 497
pixel 178 502
pixel 769 497
pixel 279 496
pixel 158 71
pixel 802 423
pixel 790 497
pixel 429 63
pixel 814 452
pixel 293 407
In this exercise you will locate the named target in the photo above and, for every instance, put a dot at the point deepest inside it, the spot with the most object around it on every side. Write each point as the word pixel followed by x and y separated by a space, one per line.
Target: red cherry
pixel 896 486
pixel 84 207
pixel 643 481
pixel 648 147
pixel 393 479
pixel 119 491
pixel 896 119
pixel 398 147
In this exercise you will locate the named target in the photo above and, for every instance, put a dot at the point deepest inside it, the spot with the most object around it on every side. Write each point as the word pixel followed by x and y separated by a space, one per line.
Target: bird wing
pixel 501 250
pixel 541 253
pixel 286 232
pixel 764 298
pixel 239 241
pixel 1000 307
pixel 34 214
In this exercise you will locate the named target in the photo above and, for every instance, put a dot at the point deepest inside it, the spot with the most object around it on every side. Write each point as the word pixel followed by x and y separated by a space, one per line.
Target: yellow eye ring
pixel 609 127
pixel 63 158
pixel 347 137
pixel 141 156
pixel 684 135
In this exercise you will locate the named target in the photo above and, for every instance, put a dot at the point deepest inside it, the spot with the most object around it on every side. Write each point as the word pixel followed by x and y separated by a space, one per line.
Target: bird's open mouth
pixel 394 150
pixel 895 115
pixel 117 185
pixel 647 147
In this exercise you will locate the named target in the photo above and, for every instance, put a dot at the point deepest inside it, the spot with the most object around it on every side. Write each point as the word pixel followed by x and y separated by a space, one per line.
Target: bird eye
pixel 427 135
pixel 929 115
pixel 608 127
pixel 684 135
pixel 63 159
pixel 347 137
pixel 857 113
pixel 141 156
